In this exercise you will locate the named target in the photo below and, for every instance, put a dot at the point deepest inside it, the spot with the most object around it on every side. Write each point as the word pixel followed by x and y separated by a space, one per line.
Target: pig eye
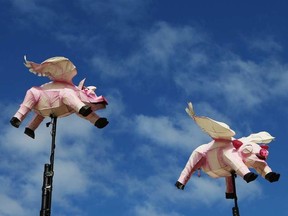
pixel 247 149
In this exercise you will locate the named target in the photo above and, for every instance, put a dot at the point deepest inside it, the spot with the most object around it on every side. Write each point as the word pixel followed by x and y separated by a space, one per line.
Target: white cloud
pixel 185 54
pixel 170 132
pixel 38 12
pixel 198 67
pixel 210 191
pixel 163 43
pixel 10 207
pixel 80 150
pixel 25 6
pixel 118 67
pixel 152 210
pixel 158 195
pixel 165 51
pixel 27 145
pixel 121 9
pixel 71 178
pixel 70 39
pixel 116 106
pixel 249 191
pixel 161 49
pixel 158 188
pixel 267 44
pixel 240 83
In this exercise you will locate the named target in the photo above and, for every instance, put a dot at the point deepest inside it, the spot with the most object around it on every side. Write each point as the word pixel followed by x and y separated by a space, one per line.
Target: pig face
pixel 88 96
pixel 251 152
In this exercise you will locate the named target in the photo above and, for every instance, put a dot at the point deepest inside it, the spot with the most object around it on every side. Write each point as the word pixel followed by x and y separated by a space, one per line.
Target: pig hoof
pixel 15 122
pixel 179 185
pixel 250 177
pixel 230 195
pixel 29 132
pixel 101 122
pixel 85 110
pixel 272 176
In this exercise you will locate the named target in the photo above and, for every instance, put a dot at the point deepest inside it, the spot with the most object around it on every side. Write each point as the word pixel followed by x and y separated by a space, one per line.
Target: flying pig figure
pixel 60 97
pixel 225 154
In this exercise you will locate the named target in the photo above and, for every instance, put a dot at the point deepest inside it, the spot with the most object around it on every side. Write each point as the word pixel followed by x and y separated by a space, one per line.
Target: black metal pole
pixel 48 174
pixel 235 209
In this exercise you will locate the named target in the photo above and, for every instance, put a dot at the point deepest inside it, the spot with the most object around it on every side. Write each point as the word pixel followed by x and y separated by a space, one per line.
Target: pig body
pixel 225 155
pixel 60 97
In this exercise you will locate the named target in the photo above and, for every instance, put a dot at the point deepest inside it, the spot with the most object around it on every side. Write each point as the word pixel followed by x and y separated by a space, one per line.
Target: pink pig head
pixel 251 152
pixel 88 95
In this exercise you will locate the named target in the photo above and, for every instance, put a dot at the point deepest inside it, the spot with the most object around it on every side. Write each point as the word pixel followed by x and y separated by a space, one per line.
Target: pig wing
pixel 215 129
pixel 262 137
pixel 55 68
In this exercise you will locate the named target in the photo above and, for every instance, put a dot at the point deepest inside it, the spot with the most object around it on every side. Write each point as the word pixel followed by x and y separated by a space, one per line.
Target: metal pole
pixel 235 209
pixel 48 174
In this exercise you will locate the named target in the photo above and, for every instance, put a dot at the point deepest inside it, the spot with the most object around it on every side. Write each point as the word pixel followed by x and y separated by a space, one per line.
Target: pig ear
pixel 237 144
pixel 264 147
pixel 81 84
pixel 93 88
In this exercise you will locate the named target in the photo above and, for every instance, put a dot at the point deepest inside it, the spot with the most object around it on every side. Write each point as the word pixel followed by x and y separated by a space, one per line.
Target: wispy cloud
pixel 164 42
pixel 267 44
pixel 198 66
pixel 172 132
pixel 122 9
pixel 77 155
pixel 184 53
pixel 31 6
pixel 36 12
pixel 9 206
pixel 150 147
pixel 162 49
pixel 153 210
pixel 241 83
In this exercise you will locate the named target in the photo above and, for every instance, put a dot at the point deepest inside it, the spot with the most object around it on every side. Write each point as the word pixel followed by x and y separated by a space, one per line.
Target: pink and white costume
pixel 60 97
pixel 225 154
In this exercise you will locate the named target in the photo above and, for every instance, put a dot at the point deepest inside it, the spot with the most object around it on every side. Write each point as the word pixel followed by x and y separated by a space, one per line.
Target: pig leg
pixel 99 122
pixel 31 98
pixel 33 125
pixel 272 177
pixel 96 120
pixel 235 162
pixel 266 172
pixel 70 98
pixel 195 162
pixel 230 193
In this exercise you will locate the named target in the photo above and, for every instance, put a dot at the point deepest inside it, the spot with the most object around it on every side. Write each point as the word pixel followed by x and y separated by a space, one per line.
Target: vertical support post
pixel 48 174
pixel 235 209
pixel 46 191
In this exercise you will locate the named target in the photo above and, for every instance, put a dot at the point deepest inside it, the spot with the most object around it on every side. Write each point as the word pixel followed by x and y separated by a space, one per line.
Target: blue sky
pixel 148 58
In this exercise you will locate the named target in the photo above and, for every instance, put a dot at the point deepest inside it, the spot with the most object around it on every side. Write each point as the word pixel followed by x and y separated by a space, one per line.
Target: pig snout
pixel 263 154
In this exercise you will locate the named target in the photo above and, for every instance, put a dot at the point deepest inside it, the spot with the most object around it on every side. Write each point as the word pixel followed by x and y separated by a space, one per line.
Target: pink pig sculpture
pixel 60 97
pixel 225 154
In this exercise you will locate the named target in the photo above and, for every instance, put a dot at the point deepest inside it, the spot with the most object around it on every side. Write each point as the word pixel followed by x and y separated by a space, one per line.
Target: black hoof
pixel 250 177
pixel 230 195
pixel 29 132
pixel 101 122
pixel 272 177
pixel 15 122
pixel 179 185
pixel 85 110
